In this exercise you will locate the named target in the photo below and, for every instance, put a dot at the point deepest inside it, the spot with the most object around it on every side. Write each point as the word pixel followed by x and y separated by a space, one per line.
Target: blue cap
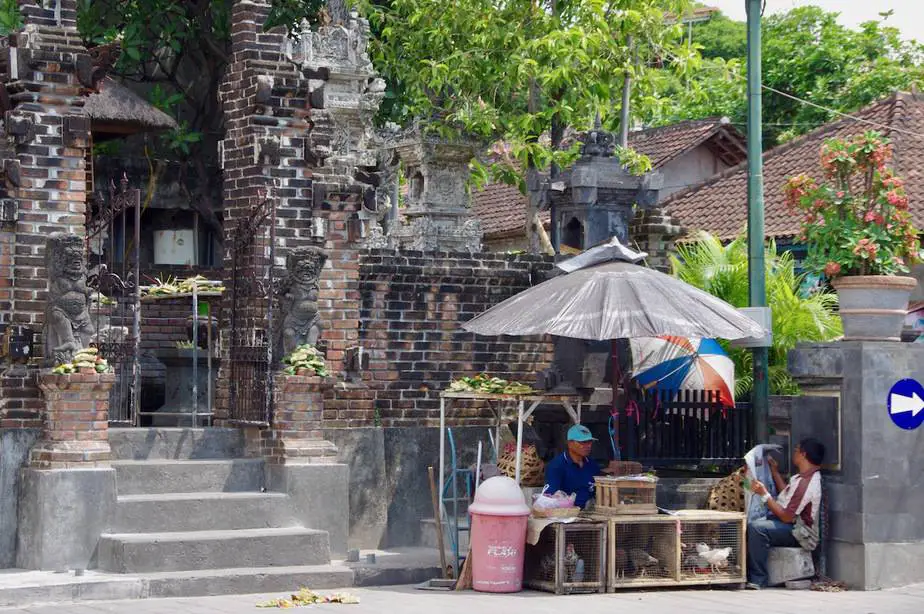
pixel 580 433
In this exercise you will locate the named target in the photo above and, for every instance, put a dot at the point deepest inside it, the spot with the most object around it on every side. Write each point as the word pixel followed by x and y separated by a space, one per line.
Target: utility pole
pixel 757 290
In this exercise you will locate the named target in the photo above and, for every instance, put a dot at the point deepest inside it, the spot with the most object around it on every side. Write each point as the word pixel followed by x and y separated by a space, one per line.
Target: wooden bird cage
pixel 624 495
pixel 569 558
pixel 661 550
pixel 728 494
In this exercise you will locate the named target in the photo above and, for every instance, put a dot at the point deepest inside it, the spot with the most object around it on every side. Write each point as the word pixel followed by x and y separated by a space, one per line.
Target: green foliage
pixel 722 270
pixel 857 222
pixel 10 17
pixel 808 54
pixel 474 66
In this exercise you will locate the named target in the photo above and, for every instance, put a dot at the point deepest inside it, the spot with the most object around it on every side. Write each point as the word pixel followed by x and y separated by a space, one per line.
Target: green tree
pixel 808 54
pixel 722 270
pixel 516 70
pixel 180 48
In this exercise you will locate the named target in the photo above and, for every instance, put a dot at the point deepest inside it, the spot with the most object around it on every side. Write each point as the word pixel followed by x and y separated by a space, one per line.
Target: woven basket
pixel 532 469
pixel 557 512
pixel 728 494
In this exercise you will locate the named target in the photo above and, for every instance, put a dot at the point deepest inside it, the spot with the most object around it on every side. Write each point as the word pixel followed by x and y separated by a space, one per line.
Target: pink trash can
pixel 499 516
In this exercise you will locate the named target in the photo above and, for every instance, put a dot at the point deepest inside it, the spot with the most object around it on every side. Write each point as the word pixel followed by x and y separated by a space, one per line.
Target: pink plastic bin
pixel 499 516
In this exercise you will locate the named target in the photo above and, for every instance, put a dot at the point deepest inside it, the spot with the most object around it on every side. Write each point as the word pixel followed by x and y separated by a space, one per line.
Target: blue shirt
pixel 565 475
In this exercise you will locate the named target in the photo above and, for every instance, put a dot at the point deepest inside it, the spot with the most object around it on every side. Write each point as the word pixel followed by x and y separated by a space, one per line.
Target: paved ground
pixel 405 600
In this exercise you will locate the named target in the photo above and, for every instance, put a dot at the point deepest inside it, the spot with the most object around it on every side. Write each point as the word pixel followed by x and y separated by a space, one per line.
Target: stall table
pixel 526 404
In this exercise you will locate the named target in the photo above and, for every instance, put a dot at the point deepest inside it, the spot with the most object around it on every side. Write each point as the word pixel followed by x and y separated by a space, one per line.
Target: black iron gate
pixel 250 352
pixel 113 245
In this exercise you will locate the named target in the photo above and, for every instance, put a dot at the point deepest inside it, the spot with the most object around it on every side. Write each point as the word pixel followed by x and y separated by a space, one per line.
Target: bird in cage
pixel 621 563
pixel 642 562
pixel 574 565
pixel 717 558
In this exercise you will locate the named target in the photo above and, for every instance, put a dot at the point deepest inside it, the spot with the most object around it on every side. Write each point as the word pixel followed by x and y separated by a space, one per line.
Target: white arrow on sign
pixel 900 404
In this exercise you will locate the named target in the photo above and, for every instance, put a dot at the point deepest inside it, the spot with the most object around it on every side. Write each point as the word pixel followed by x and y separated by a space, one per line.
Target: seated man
pixel 573 471
pixel 801 498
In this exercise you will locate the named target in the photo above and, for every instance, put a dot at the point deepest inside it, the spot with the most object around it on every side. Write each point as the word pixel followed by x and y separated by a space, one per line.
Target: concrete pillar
pixel 874 481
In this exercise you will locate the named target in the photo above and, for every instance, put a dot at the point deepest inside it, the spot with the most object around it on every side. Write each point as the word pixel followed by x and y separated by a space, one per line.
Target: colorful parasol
pixel 682 363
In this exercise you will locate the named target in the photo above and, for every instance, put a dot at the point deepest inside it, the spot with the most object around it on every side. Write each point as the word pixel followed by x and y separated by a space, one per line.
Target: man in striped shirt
pixel 801 498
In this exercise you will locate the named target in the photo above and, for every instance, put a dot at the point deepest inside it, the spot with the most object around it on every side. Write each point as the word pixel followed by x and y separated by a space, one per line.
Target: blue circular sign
pixel 906 404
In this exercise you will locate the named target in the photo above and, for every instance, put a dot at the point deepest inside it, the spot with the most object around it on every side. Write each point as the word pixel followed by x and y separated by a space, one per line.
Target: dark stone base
pixel 14 455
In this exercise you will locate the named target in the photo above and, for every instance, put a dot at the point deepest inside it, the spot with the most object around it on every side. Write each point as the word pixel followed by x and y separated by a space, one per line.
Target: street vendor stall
pixel 605 295
pixel 499 403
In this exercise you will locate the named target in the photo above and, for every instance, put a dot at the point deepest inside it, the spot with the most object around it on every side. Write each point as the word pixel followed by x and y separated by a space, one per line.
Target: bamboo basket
pixel 532 469
pixel 624 496
pixel 728 494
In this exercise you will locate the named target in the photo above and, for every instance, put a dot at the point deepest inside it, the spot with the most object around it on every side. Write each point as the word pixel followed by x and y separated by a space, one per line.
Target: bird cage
pixel 569 558
pixel 712 548
pixel 625 495
pixel 692 547
pixel 642 551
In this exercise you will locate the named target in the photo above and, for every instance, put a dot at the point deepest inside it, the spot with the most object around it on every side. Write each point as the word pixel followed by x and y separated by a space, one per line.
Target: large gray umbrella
pixel 614 299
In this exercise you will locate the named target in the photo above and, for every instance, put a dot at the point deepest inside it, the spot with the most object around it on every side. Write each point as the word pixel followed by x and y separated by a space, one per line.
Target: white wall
pixel 690 169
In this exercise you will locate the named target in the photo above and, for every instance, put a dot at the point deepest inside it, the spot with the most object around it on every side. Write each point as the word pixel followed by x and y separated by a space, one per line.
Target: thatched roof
pixel 116 109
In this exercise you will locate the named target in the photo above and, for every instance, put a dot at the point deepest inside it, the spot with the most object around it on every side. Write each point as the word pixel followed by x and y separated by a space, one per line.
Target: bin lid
pixel 499 496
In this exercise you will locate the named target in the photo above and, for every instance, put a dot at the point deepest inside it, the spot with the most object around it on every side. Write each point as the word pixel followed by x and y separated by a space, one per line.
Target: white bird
pixel 717 558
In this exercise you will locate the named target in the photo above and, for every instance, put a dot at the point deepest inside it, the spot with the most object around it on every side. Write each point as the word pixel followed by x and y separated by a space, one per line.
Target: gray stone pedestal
pixel 876 495
pixel 319 494
pixel 62 513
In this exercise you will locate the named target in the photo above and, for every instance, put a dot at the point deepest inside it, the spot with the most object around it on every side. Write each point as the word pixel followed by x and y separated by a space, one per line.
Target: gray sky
pixel 908 17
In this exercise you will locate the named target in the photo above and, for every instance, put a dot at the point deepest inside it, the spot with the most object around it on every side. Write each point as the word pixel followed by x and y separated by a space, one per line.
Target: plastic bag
pixel 544 501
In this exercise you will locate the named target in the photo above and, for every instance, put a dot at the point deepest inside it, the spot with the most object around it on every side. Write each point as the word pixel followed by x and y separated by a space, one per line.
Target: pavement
pixel 408 600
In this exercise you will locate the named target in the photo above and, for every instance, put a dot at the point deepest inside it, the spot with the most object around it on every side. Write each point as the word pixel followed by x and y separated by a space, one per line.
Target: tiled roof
pixel 719 205
pixel 502 208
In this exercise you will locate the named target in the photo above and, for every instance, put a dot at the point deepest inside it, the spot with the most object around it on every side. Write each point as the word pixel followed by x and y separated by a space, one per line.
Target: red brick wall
pixel 413 304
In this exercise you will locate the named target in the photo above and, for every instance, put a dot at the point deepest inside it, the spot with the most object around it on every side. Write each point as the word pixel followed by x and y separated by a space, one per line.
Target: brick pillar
pixel 75 432
pixel 299 126
pixel 47 134
pixel 295 436
pixel 653 231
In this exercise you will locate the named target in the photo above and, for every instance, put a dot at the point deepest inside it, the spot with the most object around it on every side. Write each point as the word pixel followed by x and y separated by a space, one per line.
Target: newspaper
pixel 758 469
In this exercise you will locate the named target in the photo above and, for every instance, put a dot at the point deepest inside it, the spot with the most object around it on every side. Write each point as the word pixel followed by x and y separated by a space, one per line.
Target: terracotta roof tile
pixel 502 208
pixel 719 205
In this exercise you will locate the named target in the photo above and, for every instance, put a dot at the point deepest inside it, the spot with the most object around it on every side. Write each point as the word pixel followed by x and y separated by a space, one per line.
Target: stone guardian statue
pixel 68 326
pixel 298 298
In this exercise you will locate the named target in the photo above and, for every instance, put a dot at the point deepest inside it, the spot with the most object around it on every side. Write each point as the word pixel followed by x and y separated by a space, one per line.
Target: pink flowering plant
pixel 856 222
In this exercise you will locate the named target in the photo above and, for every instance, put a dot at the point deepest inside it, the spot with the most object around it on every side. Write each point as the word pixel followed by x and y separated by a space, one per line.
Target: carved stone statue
pixel 68 326
pixel 301 320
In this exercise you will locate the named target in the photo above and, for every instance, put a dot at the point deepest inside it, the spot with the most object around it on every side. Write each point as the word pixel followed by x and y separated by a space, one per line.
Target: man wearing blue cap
pixel 573 471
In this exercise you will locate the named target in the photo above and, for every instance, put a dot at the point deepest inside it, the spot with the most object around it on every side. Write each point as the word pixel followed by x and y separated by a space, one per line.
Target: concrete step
pixel 176 443
pixel 202 511
pixel 428 536
pixel 20 587
pixel 284 580
pixel 136 477
pixel 191 550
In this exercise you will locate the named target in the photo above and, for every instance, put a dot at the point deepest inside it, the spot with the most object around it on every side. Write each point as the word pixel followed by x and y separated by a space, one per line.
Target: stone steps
pixel 241 581
pixel 153 477
pixel 131 553
pixel 176 443
pixel 202 511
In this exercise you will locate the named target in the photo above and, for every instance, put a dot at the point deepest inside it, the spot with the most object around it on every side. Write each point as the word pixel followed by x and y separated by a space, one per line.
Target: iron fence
pixel 685 427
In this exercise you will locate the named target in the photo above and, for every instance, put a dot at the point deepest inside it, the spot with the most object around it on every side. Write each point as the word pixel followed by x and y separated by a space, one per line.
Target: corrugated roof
pixel 719 205
pixel 502 208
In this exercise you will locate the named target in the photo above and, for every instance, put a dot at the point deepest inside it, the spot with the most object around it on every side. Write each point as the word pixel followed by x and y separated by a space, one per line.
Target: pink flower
pixel 899 201
pixel 865 248
pixel 832 269
pixel 898 261
pixel 869 217
pixel 841 194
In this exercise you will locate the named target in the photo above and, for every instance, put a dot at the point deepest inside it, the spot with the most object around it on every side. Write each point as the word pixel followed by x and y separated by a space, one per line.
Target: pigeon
pixel 641 561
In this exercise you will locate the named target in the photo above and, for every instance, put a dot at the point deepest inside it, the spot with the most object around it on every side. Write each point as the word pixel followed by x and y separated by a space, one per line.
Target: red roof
pixel 502 208
pixel 719 205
